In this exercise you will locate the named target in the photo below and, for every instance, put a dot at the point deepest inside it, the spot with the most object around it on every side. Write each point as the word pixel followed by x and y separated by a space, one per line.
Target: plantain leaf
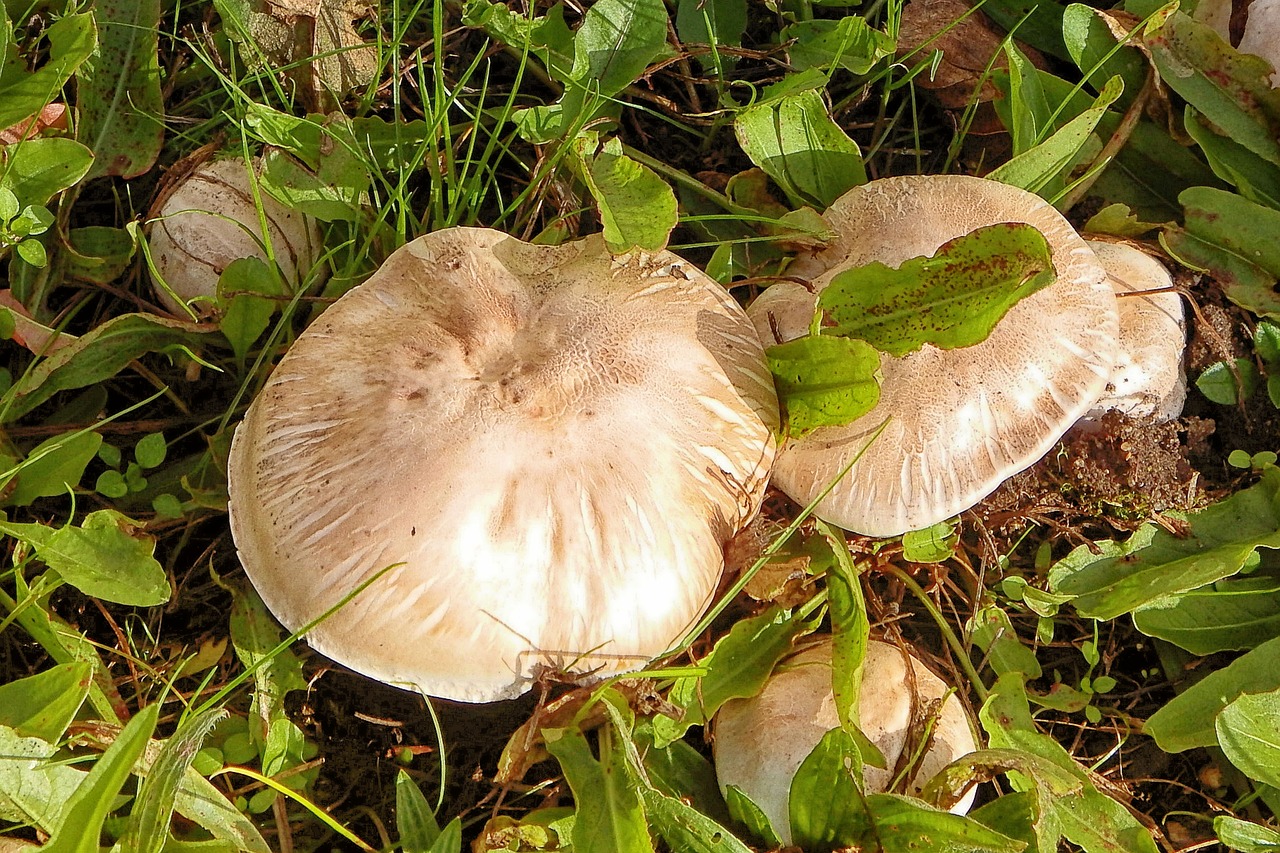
pixel 952 299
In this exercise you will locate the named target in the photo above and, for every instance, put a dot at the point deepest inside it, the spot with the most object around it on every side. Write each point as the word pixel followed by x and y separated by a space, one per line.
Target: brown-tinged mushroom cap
pixel 958 422
pixel 548 445
pixel 1148 378
pixel 760 742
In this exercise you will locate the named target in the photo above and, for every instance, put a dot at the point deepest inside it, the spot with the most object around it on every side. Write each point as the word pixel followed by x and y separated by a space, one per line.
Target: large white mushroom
pixel 761 742
pixel 957 422
pixel 210 219
pixel 548 446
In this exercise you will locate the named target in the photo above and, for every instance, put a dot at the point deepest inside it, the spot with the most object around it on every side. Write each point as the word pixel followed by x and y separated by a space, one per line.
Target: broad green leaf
pixel 849 43
pixel 254 635
pixel 795 141
pixel 1026 110
pixel 1245 835
pixel 36 170
pixel 826 806
pixel 1231 89
pixel 719 23
pixel 1237 613
pixel 1228 383
pixel 1150 171
pixel 1266 342
pixel 637 207
pixel 617 41
pixel 904 825
pixel 44 704
pixel 98 355
pixel 153 809
pixel 246 315
pixel 1092 46
pixel 85 812
pixel 72 40
pixel 53 467
pixel 1119 220
pixel 824 381
pixel 1012 814
pixel 1187 721
pixel 678 770
pixel 952 299
pixel 150 450
pixel 101 557
pixel 850 632
pixel 98 253
pixel 609 814
pixel 993 633
pixel 684 828
pixel 34 781
pixel 1233 238
pixel 1255 178
pixel 736 667
pixel 547 37
pixel 1042 169
pixel 1249 733
pixel 934 544
pixel 301 189
pixel 750 815
pixel 1085 816
pixel 1108 579
pixel 415 820
pixel 1035 23
pixel 450 838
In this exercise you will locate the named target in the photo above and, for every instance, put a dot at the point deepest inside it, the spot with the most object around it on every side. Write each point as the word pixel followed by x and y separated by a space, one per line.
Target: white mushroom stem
pixel 761 742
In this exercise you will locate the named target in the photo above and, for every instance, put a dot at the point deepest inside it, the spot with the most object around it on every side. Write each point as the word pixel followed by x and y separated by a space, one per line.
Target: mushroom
pixel 956 422
pixel 761 742
pixel 545 448
pixel 210 219
pixel 1148 378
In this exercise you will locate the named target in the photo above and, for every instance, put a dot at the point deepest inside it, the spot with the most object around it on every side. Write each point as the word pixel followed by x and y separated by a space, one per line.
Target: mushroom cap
pixel 1148 378
pixel 761 742
pixel 548 445
pixel 210 220
pixel 957 422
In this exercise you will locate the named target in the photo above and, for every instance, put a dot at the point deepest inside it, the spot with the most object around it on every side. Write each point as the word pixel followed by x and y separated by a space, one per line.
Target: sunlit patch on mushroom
pixel 588 432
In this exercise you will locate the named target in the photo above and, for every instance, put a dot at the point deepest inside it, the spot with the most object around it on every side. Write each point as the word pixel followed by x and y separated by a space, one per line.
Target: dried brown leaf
pixel 317 40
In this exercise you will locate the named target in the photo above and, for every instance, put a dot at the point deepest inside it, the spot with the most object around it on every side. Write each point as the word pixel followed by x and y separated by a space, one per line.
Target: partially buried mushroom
pixel 546 449
pixel 904 709
pixel 210 219
pixel 956 423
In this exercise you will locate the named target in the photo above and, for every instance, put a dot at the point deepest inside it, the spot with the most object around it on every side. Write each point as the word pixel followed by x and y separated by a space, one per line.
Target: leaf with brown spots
pixel 952 299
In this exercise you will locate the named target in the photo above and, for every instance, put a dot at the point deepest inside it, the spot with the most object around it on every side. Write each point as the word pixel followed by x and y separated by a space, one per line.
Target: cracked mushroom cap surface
pixel 548 446
pixel 957 422
pixel 210 219
pixel 761 742
pixel 1148 378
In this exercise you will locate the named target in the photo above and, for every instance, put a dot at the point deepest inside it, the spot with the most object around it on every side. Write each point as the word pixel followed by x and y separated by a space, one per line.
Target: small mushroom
pixel 957 422
pixel 210 219
pixel 545 447
pixel 760 742
pixel 1148 378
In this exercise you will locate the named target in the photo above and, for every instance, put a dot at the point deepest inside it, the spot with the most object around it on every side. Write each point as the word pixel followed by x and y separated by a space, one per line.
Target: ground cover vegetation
pixel 1111 616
